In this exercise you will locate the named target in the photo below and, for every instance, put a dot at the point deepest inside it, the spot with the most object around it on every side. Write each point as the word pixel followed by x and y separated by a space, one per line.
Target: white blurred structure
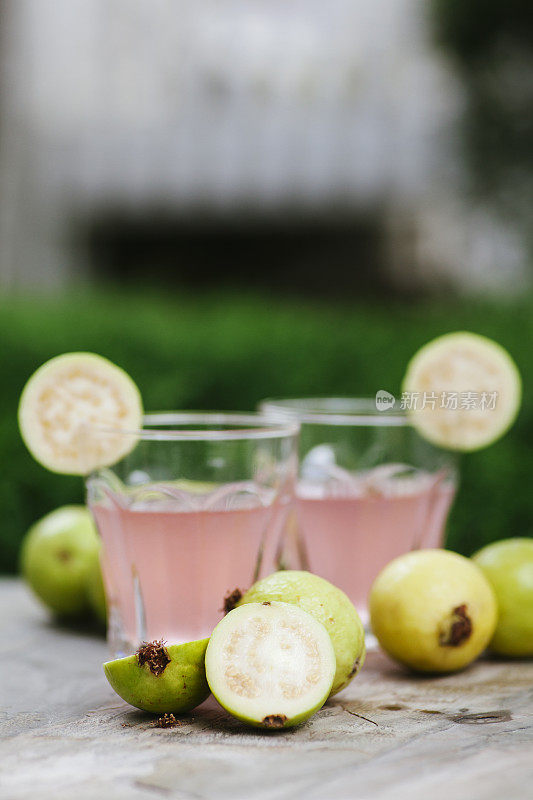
pixel 225 106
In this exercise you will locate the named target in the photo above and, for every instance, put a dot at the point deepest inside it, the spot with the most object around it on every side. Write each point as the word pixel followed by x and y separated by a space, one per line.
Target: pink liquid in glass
pixel 166 572
pixel 349 532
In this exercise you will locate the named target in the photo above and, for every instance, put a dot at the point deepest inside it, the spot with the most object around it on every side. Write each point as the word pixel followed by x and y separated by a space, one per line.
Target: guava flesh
pixel 464 365
pixel 69 393
pixel 328 605
pixel 270 664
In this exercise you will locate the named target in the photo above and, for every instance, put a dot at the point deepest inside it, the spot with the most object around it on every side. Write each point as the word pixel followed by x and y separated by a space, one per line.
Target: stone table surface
pixel 65 734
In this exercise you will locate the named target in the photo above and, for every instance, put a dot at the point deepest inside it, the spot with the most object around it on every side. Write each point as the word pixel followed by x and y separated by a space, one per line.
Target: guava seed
pixel 240 683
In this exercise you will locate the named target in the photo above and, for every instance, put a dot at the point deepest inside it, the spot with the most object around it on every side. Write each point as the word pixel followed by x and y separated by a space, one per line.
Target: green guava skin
pixel 327 604
pixel 181 687
pixel 508 566
pixel 57 554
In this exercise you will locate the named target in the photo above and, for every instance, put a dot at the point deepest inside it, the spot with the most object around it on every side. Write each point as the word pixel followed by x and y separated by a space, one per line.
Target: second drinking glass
pixel 369 489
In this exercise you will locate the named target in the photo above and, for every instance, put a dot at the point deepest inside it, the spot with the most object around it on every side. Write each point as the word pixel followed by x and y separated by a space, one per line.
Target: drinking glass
pixel 192 512
pixel 369 489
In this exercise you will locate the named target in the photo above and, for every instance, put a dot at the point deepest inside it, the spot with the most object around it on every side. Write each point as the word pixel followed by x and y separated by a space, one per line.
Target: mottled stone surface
pixel 65 734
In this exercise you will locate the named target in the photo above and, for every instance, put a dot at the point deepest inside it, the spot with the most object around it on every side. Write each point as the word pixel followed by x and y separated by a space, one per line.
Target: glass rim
pixel 172 426
pixel 352 411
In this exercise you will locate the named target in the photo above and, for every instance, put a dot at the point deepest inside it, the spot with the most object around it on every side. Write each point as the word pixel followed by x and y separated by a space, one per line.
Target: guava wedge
pixel 270 664
pixel 432 610
pixel 328 605
pixel 67 395
pixel 161 679
pixel 467 391
pixel 508 566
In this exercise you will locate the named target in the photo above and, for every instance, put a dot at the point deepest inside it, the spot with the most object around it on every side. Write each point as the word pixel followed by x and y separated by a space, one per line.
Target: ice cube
pixel 317 464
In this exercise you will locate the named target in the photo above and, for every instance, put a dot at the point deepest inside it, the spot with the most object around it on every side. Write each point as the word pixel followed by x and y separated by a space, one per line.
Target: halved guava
pixel 161 679
pixel 270 664
pixel 464 391
pixel 328 605
pixel 61 401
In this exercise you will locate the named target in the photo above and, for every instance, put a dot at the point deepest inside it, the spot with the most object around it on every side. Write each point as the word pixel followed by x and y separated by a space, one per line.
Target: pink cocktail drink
pixel 194 511
pixel 167 571
pixel 370 488
pixel 349 536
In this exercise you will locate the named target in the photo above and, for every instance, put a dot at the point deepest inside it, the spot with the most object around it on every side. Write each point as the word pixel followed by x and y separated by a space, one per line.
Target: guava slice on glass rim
pixel 463 391
pixel 270 664
pixel 64 398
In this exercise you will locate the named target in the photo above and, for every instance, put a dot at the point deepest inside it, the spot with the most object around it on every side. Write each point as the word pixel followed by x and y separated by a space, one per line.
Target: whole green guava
pixel 508 566
pixel 432 610
pixel 58 554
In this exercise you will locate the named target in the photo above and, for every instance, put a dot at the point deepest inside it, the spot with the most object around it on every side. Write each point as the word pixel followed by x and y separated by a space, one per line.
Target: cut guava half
pixel 463 391
pixel 161 679
pixel 64 398
pixel 270 664
pixel 328 605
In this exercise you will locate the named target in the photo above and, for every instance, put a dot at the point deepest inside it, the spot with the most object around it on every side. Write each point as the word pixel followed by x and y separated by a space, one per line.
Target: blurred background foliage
pixel 229 351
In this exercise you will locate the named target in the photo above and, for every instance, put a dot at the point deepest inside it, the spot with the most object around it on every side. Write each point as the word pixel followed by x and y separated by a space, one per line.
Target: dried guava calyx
pixel 161 679
pixel 458 628
pixel 270 664
pixel 65 400
pixel 462 391
pixel 230 600
pixel 155 655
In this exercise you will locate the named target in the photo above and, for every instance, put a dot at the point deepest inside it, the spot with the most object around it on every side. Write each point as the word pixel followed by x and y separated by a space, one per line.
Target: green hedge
pixel 229 352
